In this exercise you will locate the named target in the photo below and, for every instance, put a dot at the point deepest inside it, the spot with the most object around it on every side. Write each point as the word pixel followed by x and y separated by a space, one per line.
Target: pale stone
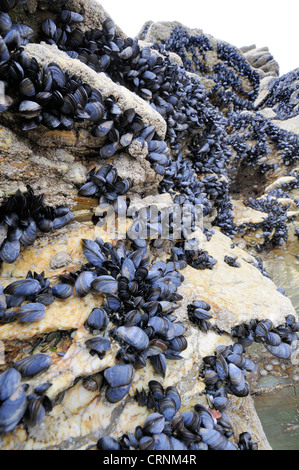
pixel 279 183
pixel 161 201
pixel 247 215
pixel 163 29
pixel 290 125
pixel 263 91
pixel 125 99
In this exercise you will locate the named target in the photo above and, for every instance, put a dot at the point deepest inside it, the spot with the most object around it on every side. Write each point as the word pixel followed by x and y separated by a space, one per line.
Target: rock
pixel 223 140
pixel 46 54
pixel 261 59
pixel 152 32
pixel 290 125
pixel 247 215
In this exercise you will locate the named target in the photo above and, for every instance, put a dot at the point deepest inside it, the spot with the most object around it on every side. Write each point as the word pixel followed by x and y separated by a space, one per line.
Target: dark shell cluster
pixel 105 184
pixel 280 341
pixel 276 220
pixel 167 87
pixel 179 98
pixel 283 96
pixel 199 313
pixel 140 299
pixel 15 405
pixel 226 73
pixel 21 216
pixel 140 296
pixel 168 429
pixel 13 34
pixel 225 372
pixel 25 300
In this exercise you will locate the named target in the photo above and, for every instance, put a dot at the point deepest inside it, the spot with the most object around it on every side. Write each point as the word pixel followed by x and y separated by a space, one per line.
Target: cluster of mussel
pixel 139 299
pixel 57 99
pixel 181 43
pixel 25 300
pixel 190 252
pixel 226 73
pixel 13 34
pixel 236 61
pixel 199 313
pixel 179 98
pixel 21 216
pixel 247 128
pixel 15 404
pixel 225 371
pixel 174 89
pixel 105 184
pixel 167 429
pixel 275 227
pixel 280 341
pixel 283 95
pixel 232 261
pixel 173 223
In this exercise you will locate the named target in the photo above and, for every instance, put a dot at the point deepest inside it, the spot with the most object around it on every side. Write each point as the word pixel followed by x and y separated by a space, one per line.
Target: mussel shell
pixel 133 336
pixel 93 252
pixel 83 283
pixel 272 339
pixel 33 365
pixel 162 442
pixel 49 28
pixel 116 394
pixel 12 39
pixel 236 376
pixel 109 150
pixel 191 420
pixel 108 443
pixel 9 383
pixel 88 189
pixel 29 234
pixel 220 403
pixel 105 284
pixel 147 443
pixel 98 319
pixel 9 251
pixel 159 364
pixel 98 344
pixel 119 375
pixel 154 424
pixel 31 312
pixel 156 389
pixel 167 408
pixel 128 269
pixel 283 351
pixel 35 412
pixel 62 291
pixel 29 109
pixel 173 393
pixel 12 410
pixel 5 22
pixel 103 129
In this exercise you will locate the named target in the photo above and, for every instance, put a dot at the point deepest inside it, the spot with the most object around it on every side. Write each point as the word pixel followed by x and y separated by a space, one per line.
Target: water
pixel 278 409
pixel 279 415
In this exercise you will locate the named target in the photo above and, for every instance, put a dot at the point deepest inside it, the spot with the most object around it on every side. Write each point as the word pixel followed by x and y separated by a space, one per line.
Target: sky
pixel 273 24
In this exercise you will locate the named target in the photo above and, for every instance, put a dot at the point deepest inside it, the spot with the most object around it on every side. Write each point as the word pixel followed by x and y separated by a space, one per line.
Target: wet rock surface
pixel 176 118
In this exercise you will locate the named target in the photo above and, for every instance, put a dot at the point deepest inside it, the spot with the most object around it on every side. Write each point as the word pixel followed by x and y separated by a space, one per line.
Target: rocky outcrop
pixel 186 123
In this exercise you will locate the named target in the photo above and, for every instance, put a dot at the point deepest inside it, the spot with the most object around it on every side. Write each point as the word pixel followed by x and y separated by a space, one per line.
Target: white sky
pixel 274 24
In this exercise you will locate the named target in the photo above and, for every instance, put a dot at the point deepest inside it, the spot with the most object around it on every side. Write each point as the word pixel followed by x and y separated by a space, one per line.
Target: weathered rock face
pixel 162 125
